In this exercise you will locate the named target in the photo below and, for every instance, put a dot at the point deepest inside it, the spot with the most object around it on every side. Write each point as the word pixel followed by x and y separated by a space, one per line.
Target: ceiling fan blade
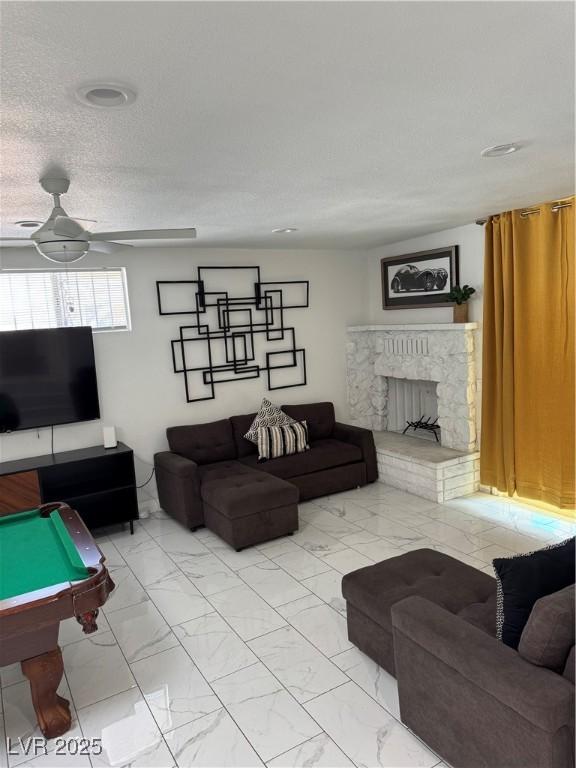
pixel 16 239
pixel 108 247
pixel 67 227
pixel 147 234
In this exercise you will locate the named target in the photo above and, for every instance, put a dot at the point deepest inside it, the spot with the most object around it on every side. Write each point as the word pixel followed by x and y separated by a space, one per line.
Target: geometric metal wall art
pixel 230 332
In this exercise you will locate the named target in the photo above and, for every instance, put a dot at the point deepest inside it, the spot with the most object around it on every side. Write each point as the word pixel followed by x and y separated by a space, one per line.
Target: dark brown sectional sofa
pixel 211 475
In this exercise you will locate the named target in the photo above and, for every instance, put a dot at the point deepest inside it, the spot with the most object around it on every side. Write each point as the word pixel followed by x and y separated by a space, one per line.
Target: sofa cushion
pixel 203 443
pixel 524 579
pixel 427 573
pixel 240 425
pixel 323 454
pixel 221 470
pixel 549 632
pixel 248 493
pixel 570 667
pixel 269 415
pixel 319 417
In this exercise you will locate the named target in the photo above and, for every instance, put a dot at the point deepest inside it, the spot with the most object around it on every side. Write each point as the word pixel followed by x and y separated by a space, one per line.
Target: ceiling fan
pixel 63 239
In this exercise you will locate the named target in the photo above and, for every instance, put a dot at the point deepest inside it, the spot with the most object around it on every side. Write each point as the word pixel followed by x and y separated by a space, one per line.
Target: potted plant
pixel 460 295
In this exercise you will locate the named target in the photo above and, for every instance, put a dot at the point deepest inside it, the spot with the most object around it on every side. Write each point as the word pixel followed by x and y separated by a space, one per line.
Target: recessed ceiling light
pixel 29 224
pixel 285 231
pixel 105 95
pixel 500 150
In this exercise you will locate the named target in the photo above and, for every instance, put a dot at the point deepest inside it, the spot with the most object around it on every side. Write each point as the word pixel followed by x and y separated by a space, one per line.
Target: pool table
pixel 50 569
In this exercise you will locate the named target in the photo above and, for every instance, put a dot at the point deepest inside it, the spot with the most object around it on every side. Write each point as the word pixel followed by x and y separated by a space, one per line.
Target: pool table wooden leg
pixel 44 673
pixel 88 621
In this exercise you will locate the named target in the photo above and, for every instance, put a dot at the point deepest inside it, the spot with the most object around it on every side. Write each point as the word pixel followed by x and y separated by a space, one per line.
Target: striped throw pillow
pixel 286 440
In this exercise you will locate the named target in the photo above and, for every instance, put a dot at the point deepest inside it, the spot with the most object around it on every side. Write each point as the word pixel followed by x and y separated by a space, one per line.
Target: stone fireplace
pixel 439 353
pixel 397 373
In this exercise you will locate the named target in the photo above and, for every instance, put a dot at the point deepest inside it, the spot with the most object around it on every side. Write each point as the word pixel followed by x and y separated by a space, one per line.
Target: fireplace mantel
pixel 427 327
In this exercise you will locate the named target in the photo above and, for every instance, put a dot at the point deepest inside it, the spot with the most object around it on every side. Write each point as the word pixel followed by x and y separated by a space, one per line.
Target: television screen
pixel 47 377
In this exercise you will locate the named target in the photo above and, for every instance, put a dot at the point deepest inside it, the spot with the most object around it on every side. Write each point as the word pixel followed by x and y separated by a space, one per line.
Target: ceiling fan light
pixel 63 252
pixel 29 224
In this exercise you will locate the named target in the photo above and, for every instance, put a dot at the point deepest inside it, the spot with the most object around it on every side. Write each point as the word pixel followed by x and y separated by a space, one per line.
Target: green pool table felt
pixel 36 552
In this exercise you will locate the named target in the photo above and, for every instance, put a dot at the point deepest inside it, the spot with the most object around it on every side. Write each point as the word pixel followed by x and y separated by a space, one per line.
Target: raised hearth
pixel 424 468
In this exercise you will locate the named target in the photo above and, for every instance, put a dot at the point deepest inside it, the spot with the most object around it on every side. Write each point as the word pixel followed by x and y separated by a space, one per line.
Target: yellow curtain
pixel 528 412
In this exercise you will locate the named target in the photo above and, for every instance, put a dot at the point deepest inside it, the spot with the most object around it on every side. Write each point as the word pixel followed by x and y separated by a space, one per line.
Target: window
pixel 60 298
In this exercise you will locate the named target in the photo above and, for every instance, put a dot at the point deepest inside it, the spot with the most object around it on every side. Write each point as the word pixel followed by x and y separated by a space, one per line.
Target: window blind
pixel 60 298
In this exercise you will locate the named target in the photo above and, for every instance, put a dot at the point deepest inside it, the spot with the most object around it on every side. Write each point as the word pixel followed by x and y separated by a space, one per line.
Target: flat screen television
pixel 47 377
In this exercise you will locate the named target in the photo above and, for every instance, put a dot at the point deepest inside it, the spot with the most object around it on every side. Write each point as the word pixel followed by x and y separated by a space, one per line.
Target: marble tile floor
pixel 208 657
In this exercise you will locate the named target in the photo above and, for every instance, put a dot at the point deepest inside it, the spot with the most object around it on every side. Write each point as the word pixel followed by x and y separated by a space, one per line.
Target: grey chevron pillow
pixel 269 415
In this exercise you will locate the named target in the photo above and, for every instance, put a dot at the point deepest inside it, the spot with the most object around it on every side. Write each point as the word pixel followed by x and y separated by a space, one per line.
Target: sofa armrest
pixel 178 483
pixel 364 439
pixel 538 695
pixel 175 464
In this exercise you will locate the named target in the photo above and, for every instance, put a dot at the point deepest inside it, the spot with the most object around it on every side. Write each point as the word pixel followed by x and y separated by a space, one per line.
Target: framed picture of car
pixel 422 279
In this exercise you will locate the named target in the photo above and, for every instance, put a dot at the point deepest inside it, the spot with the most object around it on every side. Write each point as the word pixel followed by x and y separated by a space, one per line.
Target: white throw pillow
pixel 269 415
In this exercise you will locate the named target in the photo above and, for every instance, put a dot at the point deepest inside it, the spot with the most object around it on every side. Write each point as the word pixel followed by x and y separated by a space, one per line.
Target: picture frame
pixel 422 279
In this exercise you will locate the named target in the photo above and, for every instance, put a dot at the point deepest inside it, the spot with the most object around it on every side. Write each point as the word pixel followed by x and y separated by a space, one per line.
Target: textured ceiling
pixel 358 123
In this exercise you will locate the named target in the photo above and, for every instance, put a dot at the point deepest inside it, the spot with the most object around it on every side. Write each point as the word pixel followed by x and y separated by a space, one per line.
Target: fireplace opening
pixel 410 402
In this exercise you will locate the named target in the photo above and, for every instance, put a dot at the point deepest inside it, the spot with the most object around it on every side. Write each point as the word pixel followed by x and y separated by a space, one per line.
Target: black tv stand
pixel 98 482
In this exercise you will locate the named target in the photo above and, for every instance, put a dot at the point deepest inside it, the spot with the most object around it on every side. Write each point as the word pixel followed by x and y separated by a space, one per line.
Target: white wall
pixel 141 395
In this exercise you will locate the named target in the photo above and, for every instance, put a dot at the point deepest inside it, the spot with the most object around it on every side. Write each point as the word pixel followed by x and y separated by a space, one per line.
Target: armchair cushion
pixel 548 635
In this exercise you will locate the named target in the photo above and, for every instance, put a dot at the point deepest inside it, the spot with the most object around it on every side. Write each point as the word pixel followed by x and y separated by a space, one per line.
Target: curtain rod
pixel 529 211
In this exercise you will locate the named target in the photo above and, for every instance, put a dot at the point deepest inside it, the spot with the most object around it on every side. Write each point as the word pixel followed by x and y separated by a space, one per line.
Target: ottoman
pixel 371 592
pixel 248 507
